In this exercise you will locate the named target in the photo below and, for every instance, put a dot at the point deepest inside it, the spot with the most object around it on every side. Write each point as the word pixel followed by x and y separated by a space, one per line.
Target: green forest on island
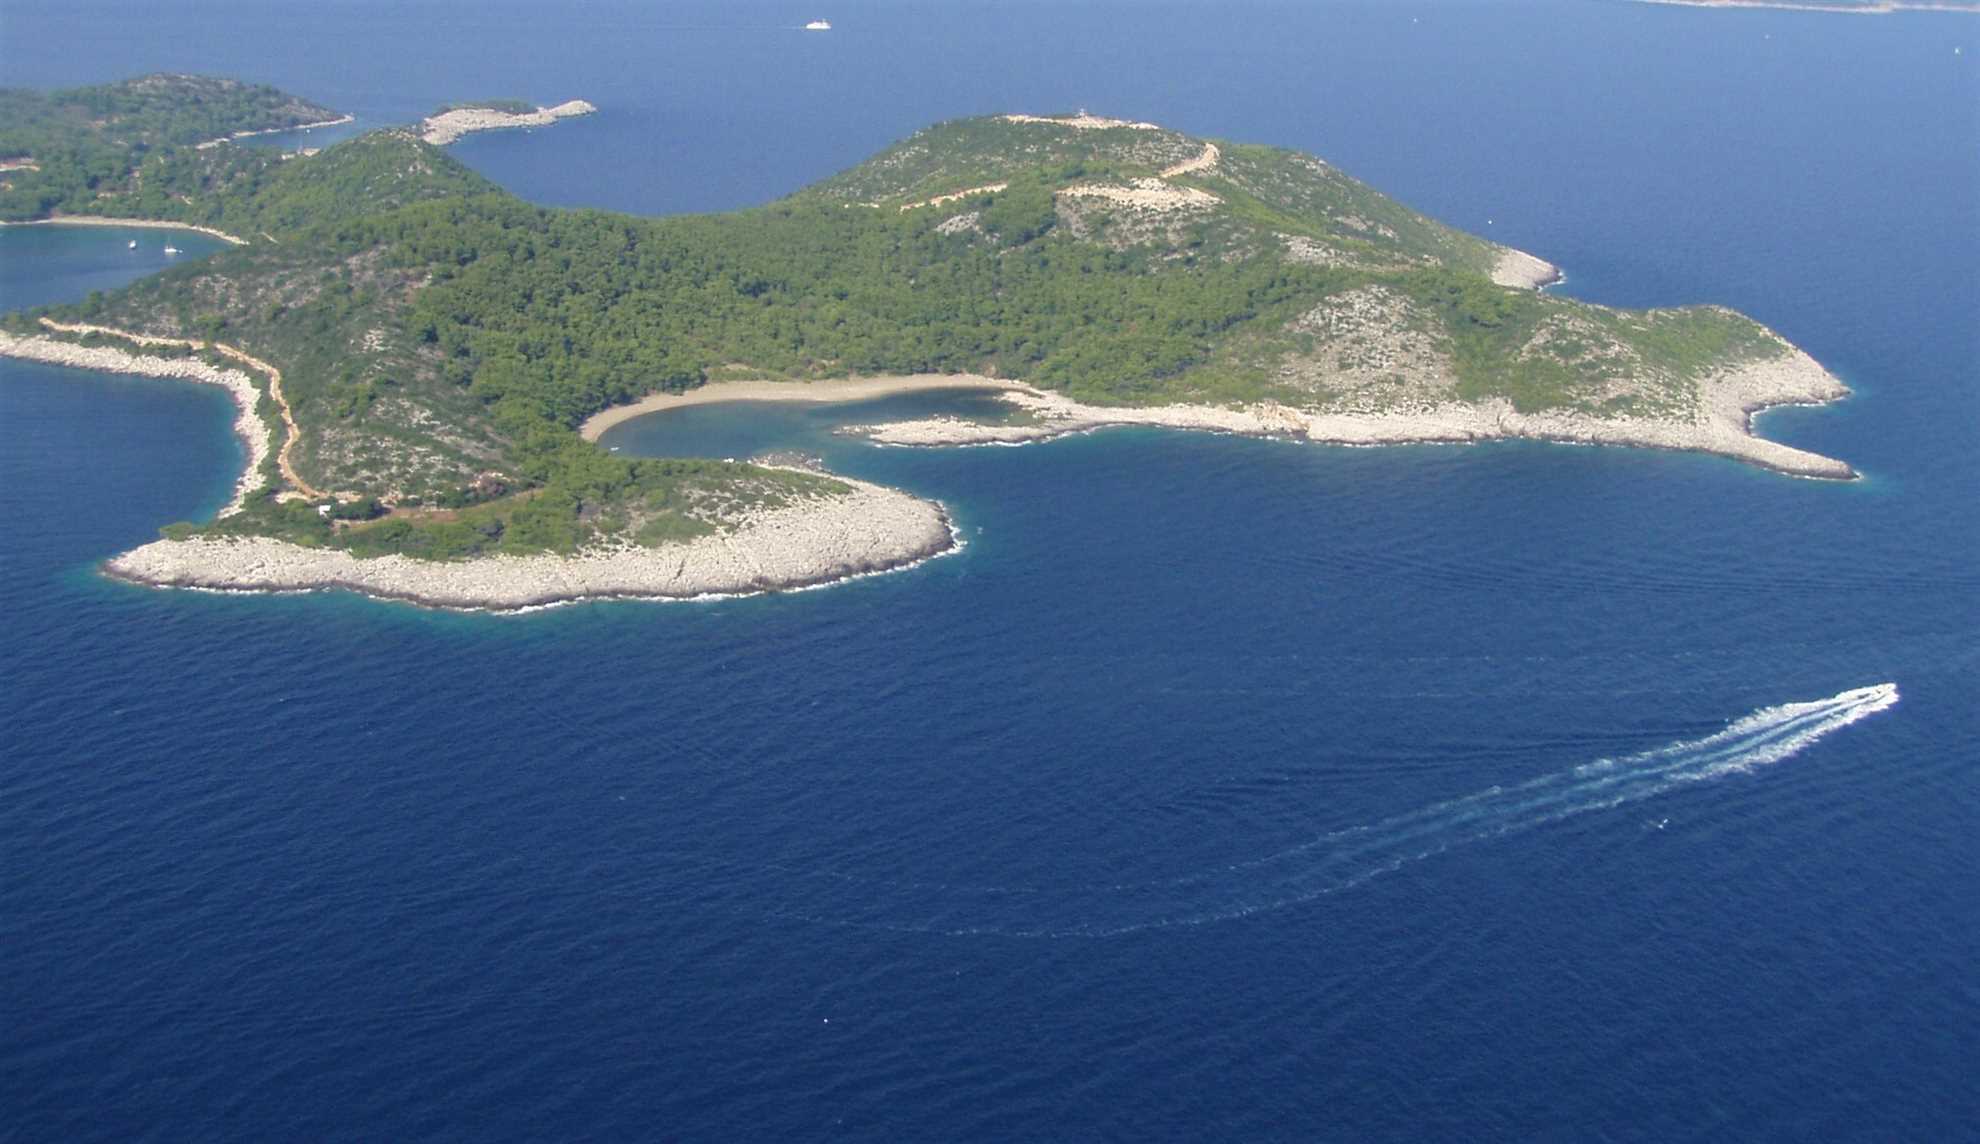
pixel 441 339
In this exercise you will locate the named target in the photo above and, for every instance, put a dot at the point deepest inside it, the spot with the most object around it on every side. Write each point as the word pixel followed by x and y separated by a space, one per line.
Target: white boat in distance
pixel 819 26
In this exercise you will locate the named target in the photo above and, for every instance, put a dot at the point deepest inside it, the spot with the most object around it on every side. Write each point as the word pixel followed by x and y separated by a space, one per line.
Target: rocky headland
pixel 819 540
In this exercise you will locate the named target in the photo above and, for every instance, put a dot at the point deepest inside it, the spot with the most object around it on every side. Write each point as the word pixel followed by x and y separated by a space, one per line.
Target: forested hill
pixel 440 339
pixel 87 150
pixel 1263 192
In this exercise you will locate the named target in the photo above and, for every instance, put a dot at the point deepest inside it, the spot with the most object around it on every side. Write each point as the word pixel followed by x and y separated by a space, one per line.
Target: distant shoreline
pixel 240 135
pixel 1882 8
pixel 135 223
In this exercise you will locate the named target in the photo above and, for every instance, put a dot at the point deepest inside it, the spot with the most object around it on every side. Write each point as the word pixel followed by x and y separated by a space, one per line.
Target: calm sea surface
pixel 1218 789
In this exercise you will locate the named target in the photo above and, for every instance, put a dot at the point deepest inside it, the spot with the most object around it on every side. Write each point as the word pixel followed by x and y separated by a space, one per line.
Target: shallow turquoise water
pixel 1217 788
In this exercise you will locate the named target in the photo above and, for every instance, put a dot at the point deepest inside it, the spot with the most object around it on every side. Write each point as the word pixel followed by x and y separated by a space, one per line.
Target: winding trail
pixel 952 196
pixel 1202 162
pixel 294 433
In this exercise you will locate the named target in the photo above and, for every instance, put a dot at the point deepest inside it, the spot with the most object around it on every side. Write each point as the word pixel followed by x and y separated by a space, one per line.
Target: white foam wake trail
pixel 1334 861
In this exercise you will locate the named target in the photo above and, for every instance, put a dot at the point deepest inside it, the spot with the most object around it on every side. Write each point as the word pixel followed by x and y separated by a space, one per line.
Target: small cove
pixel 742 429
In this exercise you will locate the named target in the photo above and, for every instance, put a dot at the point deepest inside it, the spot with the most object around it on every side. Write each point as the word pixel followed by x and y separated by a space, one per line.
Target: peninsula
pixel 423 362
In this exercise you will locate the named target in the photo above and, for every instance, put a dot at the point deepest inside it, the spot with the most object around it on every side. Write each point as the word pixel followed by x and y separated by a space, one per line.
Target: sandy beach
pixel 819 541
pixel 840 390
pixel 139 223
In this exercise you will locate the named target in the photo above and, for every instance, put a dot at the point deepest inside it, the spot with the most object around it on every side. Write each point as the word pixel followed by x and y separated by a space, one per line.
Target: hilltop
pixel 439 342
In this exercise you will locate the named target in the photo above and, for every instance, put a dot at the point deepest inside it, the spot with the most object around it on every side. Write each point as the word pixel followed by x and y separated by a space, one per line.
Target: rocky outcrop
pixel 1523 271
pixel 818 540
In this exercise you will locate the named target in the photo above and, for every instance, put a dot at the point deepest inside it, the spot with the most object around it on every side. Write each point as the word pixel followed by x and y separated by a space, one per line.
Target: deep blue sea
pixel 1218 789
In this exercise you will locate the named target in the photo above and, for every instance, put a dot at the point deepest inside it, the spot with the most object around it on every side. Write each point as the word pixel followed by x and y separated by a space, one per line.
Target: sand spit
pixel 1722 426
pixel 248 425
pixel 841 390
pixel 138 223
pixel 446 127
pixel 1523 271
pixel 819 541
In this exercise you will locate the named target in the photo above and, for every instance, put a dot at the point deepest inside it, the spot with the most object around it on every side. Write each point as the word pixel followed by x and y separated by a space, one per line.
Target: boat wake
pixel 1326 864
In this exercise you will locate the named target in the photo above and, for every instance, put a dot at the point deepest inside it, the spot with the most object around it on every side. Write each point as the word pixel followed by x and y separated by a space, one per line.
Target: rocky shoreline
pixel 820 541
pixel 248 425
pixel 871 528
pixel 448 126
pixel 1722 425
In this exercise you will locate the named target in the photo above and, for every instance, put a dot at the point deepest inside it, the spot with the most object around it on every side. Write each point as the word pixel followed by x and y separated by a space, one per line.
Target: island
pixel 422 362
pixel 452 122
